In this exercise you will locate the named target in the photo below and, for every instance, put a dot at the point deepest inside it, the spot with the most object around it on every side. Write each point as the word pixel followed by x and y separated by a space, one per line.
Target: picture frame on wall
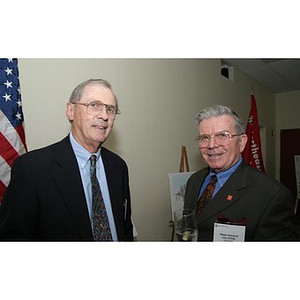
pixel 177 183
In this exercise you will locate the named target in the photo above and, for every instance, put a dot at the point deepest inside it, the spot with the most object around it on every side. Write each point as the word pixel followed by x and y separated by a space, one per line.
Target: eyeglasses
pixel 220 138
pixel 96 107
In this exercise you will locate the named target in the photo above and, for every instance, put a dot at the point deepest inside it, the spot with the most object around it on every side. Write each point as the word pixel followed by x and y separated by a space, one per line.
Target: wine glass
pixel 185 225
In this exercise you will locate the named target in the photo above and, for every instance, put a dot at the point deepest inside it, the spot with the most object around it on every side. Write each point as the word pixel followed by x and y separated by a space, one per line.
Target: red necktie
pixel 207 194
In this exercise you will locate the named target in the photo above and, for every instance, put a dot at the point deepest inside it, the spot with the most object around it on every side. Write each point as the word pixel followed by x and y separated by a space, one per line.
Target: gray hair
pixel 220 110
pixel 78 91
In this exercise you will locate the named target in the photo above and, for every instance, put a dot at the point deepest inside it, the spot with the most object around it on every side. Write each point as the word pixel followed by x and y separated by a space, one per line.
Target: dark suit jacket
pixel 266 203
pixel 45 200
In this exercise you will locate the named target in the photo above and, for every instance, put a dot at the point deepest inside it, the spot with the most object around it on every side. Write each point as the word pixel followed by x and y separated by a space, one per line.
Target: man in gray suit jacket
pixel 49 197
pixel 242 196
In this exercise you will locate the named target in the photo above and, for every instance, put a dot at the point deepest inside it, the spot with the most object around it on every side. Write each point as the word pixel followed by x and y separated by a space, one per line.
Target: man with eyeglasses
pixel 232 200
pixel 73 190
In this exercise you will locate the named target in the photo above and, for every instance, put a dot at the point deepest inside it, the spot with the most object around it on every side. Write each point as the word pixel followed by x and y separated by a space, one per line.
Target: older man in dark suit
pixel 237 195
pixel 53 194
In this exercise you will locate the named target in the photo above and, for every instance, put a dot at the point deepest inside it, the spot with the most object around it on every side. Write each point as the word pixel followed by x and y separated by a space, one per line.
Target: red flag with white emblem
pixel 252 152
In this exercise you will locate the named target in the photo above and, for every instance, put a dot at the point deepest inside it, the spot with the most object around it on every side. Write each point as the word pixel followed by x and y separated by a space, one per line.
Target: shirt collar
pixel 223 176
pixel 81 153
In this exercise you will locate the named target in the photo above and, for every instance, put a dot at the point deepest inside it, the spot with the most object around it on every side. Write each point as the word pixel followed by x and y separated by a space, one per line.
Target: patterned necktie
pixel 207 194
pixel 101 230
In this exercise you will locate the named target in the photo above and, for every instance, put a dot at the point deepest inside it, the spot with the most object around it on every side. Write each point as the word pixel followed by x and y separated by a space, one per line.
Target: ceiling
pixel 278 75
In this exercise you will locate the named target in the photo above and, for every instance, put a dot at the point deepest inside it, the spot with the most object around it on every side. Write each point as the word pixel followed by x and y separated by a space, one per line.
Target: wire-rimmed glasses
pixel 221 138
pixel 94 108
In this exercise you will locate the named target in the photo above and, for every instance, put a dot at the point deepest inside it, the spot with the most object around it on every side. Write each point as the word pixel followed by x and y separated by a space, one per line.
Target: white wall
pixel 287 117
pixel 159 99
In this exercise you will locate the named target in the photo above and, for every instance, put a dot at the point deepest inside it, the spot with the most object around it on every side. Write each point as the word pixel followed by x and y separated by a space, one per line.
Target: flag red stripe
pixel 21 132
pixel 2 190
pixel 8 152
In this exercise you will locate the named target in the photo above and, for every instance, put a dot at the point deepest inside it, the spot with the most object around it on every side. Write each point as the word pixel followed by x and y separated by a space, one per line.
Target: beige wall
pixel 159 99
pixel 287 117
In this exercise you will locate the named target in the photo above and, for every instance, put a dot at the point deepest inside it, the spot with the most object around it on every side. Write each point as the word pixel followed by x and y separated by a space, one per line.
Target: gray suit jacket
pixel 266 203
pixel 45 200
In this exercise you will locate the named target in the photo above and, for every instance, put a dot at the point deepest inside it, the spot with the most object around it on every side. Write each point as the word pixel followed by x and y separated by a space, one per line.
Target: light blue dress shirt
pixel 222 178
pixel 83 159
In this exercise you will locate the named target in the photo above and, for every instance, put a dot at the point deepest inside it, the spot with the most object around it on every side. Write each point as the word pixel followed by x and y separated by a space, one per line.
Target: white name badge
pixel 229 233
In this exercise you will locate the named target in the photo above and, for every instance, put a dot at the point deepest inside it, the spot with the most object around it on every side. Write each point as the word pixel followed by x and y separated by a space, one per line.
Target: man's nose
pixel 103 114
pixel 211 143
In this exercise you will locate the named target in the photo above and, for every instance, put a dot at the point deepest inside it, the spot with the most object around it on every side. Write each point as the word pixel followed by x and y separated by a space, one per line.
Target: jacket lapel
pixel 68 180
pixel 115 186
pixel 226 196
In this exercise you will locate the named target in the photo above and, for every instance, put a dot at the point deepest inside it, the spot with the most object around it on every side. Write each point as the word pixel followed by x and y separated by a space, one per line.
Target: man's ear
pixel 243 142
pixel 70 111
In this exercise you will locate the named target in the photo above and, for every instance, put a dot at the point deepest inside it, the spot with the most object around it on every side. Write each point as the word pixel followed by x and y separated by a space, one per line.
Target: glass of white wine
pixel 185 225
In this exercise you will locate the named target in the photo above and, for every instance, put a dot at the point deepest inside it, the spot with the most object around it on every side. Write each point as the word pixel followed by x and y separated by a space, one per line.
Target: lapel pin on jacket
pixel 229 197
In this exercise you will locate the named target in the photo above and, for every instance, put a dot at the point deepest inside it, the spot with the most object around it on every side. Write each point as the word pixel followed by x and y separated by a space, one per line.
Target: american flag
pixel 12 135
